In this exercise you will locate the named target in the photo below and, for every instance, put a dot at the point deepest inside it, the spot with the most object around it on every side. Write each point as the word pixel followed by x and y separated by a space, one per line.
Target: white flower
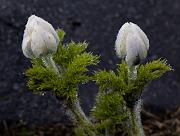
pixel 39 38
pixel 131 44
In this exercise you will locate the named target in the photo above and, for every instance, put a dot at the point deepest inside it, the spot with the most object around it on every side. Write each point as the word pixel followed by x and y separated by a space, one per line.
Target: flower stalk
pixel 80 115
pixel 136 128
pixel 107 131
pixel 74 105
pixel 49 63
pixel 82 121
pixel 132 45
pixel 65 67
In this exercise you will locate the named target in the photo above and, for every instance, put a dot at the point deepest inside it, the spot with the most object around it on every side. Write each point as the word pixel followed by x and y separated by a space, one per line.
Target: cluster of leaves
pixel 112 102
pixel 118 93
pixel 145 74
pixel 72 61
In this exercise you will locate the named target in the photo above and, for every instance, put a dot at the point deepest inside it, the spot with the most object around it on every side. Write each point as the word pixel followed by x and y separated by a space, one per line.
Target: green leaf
pixel 109 106
pixel 72 62
pixel 67 53
pixel 41 79
pixel 146 73
pixel 150 71
pixel 61 34
pixel 108 81
pixel 123 72
pixel 77 69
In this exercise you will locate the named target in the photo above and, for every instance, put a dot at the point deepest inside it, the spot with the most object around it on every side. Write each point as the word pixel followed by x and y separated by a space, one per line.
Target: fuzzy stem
pixel 74 105
pixel 107 133
pixel 136 128
pixel 80 115
pixel 132 73
pixel 81 118
pixel 137 111
pixel 49 63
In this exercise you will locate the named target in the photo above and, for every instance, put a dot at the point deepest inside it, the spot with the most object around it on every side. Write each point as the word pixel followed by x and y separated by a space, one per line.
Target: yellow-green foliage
pixel 118 93
pixel 72 61
pixel 109 105
pixel 150 71
pixel 108 81
pixel 145 74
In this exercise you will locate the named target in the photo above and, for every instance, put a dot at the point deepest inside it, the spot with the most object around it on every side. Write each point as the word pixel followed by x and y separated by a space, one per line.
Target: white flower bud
pixel 131 44
pixel 39 38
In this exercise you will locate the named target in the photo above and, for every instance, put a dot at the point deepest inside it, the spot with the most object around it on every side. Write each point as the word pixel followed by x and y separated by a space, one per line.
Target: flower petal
pixel 134 50
pixel 26 47
pixel 38 44
pixel 120 43
pixel 142 35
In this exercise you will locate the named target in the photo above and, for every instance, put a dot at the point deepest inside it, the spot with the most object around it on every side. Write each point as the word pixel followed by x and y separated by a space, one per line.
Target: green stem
pixel 74 105
pixel 134 125
pixel 80 115
pixel 136 128
pixel 49 63
pixel 82 120
pixel 107 133
pixel 132 73
pixel 137 111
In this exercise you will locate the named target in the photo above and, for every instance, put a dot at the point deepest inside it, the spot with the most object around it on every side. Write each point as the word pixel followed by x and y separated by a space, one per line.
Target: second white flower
pixel 131 44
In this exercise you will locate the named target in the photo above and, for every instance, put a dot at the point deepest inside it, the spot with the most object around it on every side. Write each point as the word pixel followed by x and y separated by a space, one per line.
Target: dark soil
pixel 166 124
pixel 97 22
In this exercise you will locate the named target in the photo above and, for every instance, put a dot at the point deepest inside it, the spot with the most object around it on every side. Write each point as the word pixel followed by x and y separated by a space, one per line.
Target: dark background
pixel 94 21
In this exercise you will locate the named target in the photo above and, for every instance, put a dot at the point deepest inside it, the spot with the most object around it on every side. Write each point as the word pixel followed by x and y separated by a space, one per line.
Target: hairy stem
pixel 137 111
pixel 80 115
pixel 82 120
pixel 136 128
pixel 132 73
pixel 107 132
pixel 135 125
pixel 75 110
pixel 49 63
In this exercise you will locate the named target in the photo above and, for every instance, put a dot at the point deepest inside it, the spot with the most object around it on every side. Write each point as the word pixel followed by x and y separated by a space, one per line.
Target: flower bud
pixel 39 38
pixel 131 44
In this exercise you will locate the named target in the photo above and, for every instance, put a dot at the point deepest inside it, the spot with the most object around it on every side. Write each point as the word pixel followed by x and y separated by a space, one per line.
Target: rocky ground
pixel 161 124
pixel 97 22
